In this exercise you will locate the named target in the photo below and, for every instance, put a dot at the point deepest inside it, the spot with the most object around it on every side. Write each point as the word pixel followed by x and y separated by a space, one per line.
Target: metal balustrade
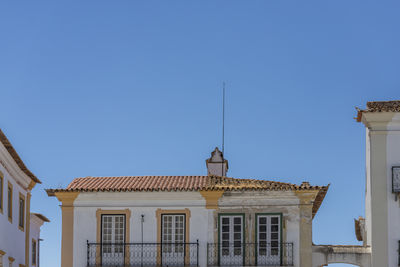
pixel 250 254
pixel 142 254
pixel 187 254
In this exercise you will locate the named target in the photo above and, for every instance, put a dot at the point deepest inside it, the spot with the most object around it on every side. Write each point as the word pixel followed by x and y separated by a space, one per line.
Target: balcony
pixel 187 254
pixel 250 254
pixel 142 254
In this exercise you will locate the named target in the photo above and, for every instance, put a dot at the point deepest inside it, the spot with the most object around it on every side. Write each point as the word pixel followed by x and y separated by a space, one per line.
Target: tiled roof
pixel 380 106
pixel 184 183
pixel 17 159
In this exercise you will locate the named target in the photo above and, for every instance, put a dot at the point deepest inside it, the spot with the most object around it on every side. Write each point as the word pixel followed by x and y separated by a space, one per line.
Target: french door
pixel 113 238
pixel 231 240
pixel 173 239
pixel 268 239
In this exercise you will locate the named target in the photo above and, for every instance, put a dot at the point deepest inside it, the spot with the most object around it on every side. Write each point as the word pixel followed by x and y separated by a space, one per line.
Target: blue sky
pixel 108 88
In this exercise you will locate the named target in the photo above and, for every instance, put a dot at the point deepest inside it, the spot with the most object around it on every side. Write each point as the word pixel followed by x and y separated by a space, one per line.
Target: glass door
pixel 113 238
pixel 268 239
pixel 231 240
pixel 173 239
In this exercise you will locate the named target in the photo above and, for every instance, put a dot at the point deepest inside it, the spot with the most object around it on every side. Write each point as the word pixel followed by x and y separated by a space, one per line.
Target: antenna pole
pixel 223 127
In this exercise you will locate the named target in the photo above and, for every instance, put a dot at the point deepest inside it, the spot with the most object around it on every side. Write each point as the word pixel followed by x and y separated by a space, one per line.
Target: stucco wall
pixel 203 222
pixel 393 159
pixel 12 239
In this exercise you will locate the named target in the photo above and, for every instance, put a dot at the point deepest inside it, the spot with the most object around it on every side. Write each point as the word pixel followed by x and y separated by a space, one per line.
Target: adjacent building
pixel 19 228
pixel 382 204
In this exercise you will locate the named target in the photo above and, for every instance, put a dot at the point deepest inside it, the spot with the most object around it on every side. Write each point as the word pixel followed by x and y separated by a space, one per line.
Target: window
pixel 268 238
pixel 21 220
pixel 113 238
pixel 231 238
pixel 1 192
pixel 9 203
pixel 33 252
pixel 173 232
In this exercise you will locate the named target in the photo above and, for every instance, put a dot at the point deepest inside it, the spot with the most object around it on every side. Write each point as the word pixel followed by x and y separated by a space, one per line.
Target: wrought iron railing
pixel 142 254
pixel 250 254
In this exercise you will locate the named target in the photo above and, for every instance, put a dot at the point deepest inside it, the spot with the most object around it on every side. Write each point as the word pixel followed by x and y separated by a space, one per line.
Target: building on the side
pixel 19 228
pixel 382 203
pixel 203 221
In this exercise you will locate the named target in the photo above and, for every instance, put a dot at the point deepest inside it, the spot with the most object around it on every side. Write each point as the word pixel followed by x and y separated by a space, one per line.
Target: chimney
pixel 216 164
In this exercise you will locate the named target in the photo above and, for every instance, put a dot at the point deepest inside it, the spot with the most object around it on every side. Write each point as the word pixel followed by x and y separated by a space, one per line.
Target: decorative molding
pixel 67 198
pixel 212 198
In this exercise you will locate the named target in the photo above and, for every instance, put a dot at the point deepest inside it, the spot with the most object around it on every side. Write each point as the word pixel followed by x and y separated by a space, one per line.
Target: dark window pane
pixel 237 236
pixel 237 244
pixel 263 220
pixel 225 236
pixel 274 251
pixel 263 251
pixel 237 220
pixel 274 220
pixel 225 220
pixel 274 244
pixel 225 251
pixel 274 228
pixel 263 236
pixel 263 228
pixel 237 228
pixel 274 236
pixel 225 228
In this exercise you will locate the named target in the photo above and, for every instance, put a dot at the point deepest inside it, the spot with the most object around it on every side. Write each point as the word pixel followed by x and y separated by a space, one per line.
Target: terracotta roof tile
pixel 379 106
pixel 184 183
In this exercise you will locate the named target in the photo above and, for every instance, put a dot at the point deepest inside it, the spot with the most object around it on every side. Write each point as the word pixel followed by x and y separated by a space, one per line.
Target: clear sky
pixel 109 88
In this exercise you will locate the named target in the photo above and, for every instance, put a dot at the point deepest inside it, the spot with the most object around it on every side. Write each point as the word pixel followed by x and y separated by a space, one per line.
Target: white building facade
pixel 17 227
pixel 187 220
pixel 382 204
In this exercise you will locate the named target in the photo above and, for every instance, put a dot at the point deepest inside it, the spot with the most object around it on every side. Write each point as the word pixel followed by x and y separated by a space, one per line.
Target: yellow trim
pixel 21 196
pixel 11 259
pixel 67 237
pixel 27 226
pixel 2 252
pixel 187 213
pixel 9 207
pixel 127 213
pixel 21 265
pixel 2 192
pixel 212 198
pixel 34 242
pixel 31 185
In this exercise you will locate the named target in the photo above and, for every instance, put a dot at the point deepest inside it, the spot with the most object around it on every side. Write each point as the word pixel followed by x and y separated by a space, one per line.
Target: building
pixel 187 220
pixel 382 204
pixel 20 229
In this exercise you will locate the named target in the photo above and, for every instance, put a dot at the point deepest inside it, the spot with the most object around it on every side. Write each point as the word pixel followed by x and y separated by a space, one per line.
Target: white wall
pixel 382 211
pixel 12 240
pixel 393 159
pixel 202 220
pixel 139 203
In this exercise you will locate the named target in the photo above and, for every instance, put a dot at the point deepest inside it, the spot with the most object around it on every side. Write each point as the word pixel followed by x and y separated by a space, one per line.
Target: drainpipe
pixel 142 221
